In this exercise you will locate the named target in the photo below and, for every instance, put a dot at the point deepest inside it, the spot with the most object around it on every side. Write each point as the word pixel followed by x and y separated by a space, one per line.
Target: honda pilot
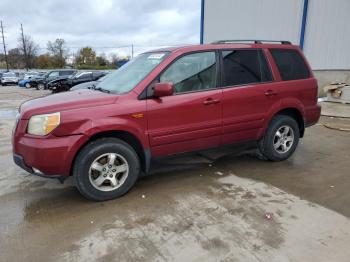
pixel 167 102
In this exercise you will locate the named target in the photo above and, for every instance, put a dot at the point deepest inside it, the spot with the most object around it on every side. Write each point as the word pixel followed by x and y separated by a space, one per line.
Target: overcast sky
pixel 103 23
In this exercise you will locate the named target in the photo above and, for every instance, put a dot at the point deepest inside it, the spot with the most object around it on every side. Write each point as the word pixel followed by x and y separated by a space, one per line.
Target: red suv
pixel 165 102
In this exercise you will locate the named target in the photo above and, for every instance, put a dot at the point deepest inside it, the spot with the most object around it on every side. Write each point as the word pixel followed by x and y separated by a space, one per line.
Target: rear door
pixel 248 93
pixel 191 118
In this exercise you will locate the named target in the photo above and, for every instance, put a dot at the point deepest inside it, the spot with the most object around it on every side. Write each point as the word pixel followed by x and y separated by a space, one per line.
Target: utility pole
pixel 132 51
pixel 3 41
pixel 24 48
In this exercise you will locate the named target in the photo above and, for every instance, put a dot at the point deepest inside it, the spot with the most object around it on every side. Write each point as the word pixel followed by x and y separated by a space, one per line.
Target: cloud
pixel 103 24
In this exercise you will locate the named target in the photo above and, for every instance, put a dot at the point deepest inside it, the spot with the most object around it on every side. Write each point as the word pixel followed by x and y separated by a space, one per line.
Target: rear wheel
pixel 105 169
pixel 280 139
pixel 27 85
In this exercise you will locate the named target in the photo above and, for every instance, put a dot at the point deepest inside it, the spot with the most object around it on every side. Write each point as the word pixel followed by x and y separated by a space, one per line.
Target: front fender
pixel 137 129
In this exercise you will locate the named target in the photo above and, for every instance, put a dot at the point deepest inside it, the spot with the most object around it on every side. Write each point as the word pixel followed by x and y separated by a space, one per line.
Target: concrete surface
pixel 210 207
pixel 335 109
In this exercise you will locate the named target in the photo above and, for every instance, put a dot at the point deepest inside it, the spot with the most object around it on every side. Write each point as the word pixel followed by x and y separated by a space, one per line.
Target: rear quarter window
pixel 290 64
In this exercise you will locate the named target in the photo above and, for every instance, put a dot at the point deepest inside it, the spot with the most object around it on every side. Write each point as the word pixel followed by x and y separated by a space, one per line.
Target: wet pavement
pixel 216 206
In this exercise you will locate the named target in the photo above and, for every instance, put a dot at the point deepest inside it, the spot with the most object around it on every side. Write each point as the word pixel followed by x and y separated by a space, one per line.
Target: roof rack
pixel 283 42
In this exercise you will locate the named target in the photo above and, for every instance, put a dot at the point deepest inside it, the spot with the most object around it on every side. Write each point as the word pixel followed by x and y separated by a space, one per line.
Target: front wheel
pixel 27 85
pixel 280 139
pixel 41 86
pixel 105 169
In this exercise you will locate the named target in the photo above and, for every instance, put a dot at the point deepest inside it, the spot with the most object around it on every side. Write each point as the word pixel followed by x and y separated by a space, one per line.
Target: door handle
pixel 270 93
pixel 211 101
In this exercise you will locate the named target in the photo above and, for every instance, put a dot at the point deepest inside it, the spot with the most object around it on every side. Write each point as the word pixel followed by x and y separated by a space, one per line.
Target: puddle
pixel 8 114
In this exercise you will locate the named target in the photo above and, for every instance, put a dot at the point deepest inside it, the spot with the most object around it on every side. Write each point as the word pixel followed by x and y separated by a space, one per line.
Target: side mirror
pixel 163 89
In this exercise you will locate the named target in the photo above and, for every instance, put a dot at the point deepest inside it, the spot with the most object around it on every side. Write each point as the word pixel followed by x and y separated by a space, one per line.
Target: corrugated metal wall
pixel 327 37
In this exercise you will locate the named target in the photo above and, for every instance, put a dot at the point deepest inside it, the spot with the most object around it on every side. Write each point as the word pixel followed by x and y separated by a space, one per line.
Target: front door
pixel 190 119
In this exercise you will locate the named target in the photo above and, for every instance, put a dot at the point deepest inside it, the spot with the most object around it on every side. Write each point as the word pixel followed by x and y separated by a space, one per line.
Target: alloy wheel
pixel 283 139
pixel 108 172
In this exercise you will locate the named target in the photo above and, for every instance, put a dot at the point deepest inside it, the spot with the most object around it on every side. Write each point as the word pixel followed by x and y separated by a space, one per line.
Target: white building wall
pixel 327 36
pixel 252 19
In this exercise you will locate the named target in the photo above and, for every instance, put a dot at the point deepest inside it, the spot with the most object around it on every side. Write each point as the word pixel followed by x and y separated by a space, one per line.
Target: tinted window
pixel 66 73
pixel 192 72
pixel 242 67
pixel 290 64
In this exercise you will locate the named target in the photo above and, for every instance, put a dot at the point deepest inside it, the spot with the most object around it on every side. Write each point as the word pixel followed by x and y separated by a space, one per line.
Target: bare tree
pixel 29 49
pixel 58 50
pixel 15 58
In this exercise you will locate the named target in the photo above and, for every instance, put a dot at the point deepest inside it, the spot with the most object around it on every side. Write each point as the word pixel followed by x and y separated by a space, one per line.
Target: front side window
pixel 290 64
pixel 54 73
pixel 192 72
pixel 242 67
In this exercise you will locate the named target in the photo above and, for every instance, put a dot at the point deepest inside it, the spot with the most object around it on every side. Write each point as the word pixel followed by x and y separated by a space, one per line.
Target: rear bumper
pixel 312 115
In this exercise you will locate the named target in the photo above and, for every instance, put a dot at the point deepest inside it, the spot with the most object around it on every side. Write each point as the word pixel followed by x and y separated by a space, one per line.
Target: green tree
pixel 86 57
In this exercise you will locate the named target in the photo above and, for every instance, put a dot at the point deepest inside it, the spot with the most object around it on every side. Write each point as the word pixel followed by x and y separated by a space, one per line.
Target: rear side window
pixel 241 67
pixel 290 64
pixel 66 73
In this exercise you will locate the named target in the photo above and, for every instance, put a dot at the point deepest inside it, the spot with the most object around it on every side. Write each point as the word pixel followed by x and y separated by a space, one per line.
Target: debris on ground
pixel 143 196
pixel 338 92
pixel 331 186
pixel 219 173
pixel 268 216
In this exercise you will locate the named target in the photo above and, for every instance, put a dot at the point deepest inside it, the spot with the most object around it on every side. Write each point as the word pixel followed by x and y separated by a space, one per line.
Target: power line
pixel 3 41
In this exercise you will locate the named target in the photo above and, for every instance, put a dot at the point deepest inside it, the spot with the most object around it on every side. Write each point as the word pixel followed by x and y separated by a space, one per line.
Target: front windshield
pixel 129 75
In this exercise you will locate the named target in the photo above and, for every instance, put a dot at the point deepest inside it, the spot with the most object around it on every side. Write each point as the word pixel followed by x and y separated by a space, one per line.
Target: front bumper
pixel 49 156
pixel 19 161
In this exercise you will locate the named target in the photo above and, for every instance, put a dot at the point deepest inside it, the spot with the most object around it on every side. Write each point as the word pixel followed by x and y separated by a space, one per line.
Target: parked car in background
pixel 41 83
pixel 27 79
pixel 9 78
pixel 88 85
pixel 64 83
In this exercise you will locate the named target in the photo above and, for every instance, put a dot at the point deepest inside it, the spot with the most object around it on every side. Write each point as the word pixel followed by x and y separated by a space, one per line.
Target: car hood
pixel 65 101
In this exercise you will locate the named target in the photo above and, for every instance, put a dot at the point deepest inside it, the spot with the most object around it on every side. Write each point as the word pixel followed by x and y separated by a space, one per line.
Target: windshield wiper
pixel 99 89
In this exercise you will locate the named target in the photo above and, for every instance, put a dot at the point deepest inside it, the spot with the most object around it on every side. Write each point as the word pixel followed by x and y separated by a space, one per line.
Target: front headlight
pixel 42 125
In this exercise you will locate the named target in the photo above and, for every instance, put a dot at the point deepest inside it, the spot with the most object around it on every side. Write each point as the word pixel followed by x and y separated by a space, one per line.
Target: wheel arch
pixel 293 112
pixel 131 139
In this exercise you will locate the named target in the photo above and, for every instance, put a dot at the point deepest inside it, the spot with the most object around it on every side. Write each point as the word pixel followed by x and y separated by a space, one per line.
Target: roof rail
pixel 283 42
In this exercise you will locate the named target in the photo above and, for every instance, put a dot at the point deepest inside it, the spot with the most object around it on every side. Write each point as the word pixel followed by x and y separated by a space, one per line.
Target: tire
pixel 276 144
pixel 27 85
pixel 97 156
pixel 40 87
